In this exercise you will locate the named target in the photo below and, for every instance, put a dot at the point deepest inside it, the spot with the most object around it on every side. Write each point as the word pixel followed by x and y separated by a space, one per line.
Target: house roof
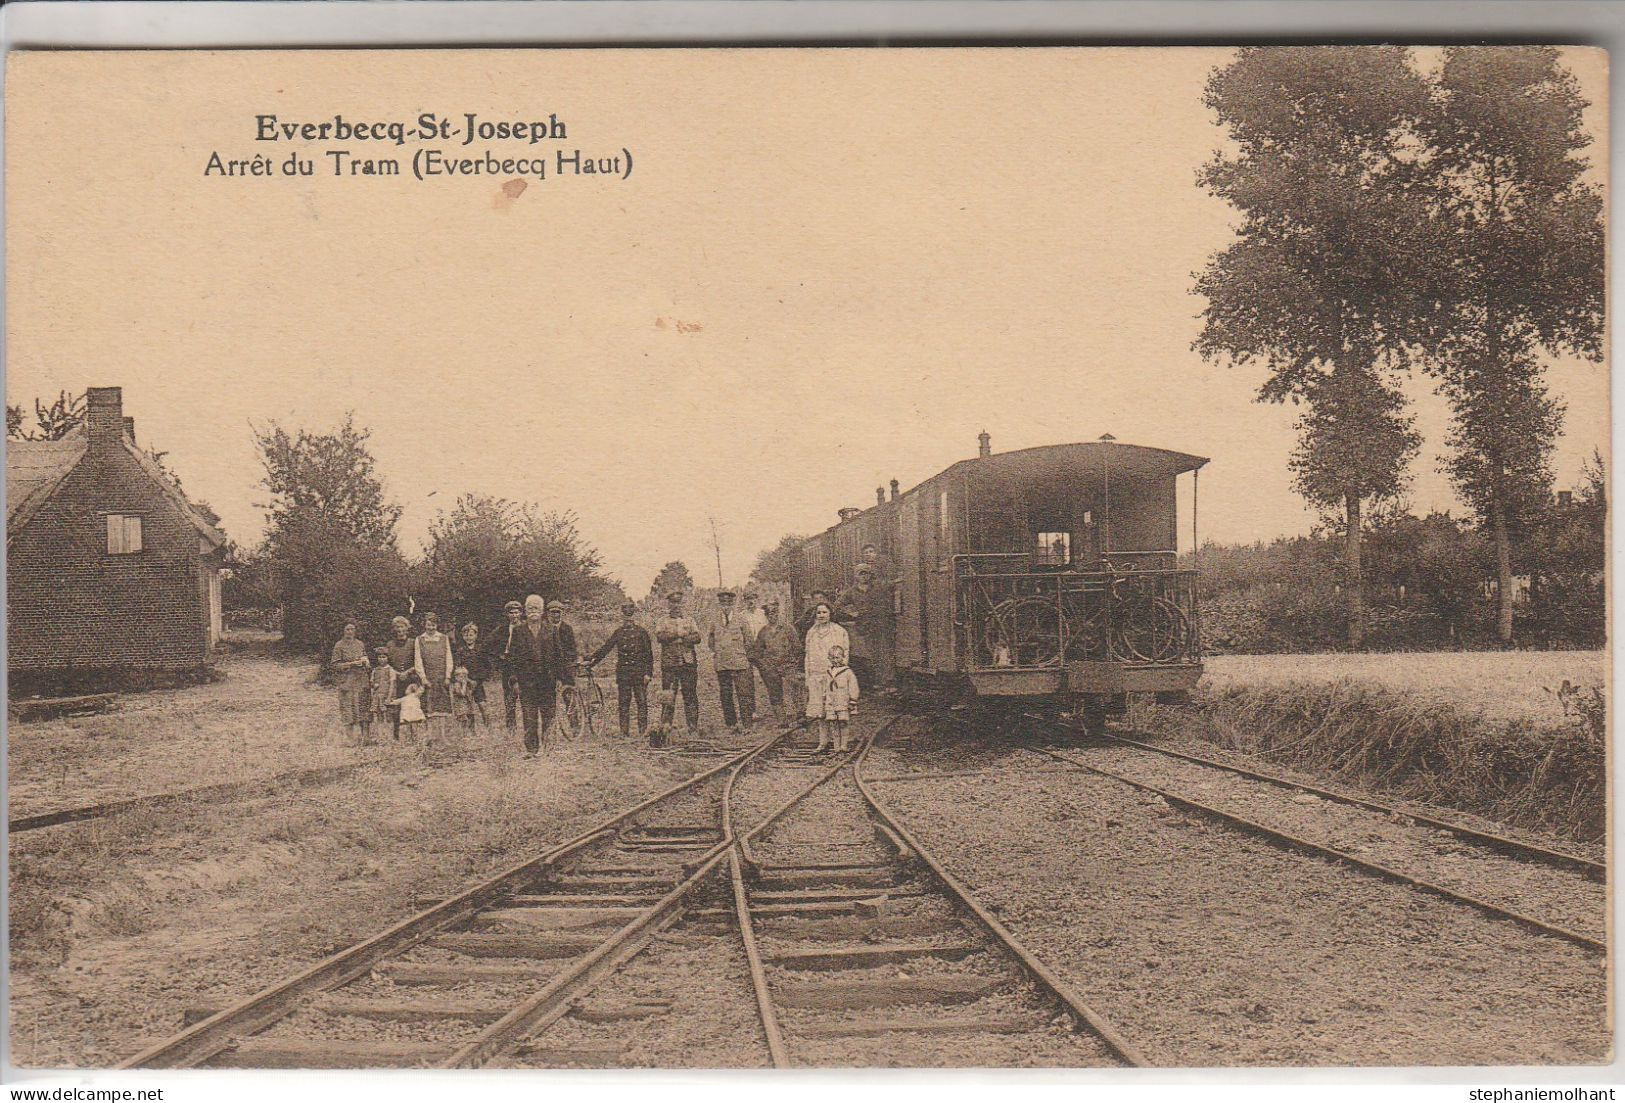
pixel 35 468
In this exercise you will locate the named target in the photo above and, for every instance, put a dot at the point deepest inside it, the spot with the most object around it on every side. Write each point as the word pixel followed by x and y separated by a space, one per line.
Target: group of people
pixel 420 684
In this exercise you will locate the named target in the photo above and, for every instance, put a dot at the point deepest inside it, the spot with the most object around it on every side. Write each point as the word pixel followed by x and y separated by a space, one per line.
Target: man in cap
pixel 755 621
pixel 865 609
pixel 679 634
pixel 535 666
pixel 778 656
pixel 730 642
pixel 634 666
pixel 498 648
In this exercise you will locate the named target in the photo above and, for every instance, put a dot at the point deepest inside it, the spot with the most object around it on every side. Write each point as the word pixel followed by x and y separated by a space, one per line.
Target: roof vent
pixel 1107 438
pixel 986 443
pixel 849 512
pixel 894 490
pixel 880 495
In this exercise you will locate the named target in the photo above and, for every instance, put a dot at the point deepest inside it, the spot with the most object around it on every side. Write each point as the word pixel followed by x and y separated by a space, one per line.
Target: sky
pixel 826 270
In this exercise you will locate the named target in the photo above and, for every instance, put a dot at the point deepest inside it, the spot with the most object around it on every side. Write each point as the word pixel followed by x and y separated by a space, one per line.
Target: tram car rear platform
pixel 1048 572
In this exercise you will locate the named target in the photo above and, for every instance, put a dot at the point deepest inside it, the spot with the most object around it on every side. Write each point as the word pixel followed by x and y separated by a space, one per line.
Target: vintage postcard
pixel 1081 558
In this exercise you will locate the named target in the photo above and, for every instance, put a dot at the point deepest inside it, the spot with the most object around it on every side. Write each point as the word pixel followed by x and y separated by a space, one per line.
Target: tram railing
pixel 1025 618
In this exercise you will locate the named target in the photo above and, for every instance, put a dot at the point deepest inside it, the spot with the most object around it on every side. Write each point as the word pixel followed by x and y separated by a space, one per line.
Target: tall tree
pixel 330 540
pixel 1526 250
pixel 486 551
pixel 52 422
pixel 778 563
pixel 673 576
pixel 1327 283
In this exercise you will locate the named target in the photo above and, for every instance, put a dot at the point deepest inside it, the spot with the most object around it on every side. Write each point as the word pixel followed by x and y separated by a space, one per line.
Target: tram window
pixel 944 521
pixel 1054 549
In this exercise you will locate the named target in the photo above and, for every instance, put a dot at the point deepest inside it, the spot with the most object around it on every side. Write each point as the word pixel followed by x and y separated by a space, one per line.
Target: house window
pixel 123 534
pixel 1054 549
pixel 944 529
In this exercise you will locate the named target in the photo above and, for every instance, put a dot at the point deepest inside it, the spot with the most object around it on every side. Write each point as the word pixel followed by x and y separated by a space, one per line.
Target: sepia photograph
pixel 1019 558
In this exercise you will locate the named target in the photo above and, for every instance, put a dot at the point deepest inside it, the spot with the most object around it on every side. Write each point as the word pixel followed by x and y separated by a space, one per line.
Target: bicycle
pixel 580 704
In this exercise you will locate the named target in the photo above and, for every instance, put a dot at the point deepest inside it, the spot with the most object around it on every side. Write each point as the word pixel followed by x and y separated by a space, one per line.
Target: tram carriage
pixel 1046 572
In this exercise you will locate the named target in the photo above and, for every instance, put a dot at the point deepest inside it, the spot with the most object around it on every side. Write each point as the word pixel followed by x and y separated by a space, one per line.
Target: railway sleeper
pixel 550 946
pixel 612 882
pixel 411 972
pixel 396 1011
pixel 621 1012
pixel 866 957
pixel 791 876
pixel 922 1024
pixel 582 1053
pixel 321 1053
pixel 557 919
pixel 582 900
pixel 858 928
pixel 858 995
pixel 859 894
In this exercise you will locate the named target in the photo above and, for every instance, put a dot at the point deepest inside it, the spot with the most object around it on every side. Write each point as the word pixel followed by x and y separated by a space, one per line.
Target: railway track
pixel 882 957
pixel 469 978
pixel 864 952
pixel 1518 848
pixel 1250 825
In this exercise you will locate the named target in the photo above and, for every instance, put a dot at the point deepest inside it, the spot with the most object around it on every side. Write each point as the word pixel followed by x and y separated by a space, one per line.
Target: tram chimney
pixel 894 490
pixel 986 443
pixel 880 495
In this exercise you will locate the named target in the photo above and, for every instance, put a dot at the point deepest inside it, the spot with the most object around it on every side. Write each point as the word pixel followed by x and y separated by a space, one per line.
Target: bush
pixel 1546 776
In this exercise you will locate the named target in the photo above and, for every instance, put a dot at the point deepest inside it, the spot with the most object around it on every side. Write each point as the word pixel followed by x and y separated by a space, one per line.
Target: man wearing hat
pixel 755 621
pixel 498 649
pixel 634 666
pixel 730 642
pixel 865 609
pixel 535 665
pixel 679 634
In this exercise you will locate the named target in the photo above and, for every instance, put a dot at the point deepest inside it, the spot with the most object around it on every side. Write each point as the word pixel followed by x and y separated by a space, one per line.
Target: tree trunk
pixel 1503 572
pixel 1353 576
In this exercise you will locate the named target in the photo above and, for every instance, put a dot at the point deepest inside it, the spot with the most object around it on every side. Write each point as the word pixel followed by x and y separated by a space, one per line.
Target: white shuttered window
pixel 123 534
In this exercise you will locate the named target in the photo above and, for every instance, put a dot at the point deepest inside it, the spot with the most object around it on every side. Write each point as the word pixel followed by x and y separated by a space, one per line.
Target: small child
pixel 839 696
pixel 382 689
pixel 411 704
pixel 462 699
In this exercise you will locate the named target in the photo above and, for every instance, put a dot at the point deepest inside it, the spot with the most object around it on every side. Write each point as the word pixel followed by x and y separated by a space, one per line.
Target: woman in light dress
pixel 823 635
pixel 433 661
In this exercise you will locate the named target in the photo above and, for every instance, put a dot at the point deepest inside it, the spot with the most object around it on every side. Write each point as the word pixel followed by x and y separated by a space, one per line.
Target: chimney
pixel 848 512
pixel 1565 499
pixel 129 428
pixel 880 495
pixel 104 415
pixel 986 443
pixel 894 490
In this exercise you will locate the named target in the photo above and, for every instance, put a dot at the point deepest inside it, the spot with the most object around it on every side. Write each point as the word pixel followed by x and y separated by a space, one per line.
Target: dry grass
pixel 266 716
pixel 1540 773
pixel 1506 685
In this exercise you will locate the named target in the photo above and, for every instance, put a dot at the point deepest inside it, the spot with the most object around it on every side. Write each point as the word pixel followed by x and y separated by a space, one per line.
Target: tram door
pixel 910 586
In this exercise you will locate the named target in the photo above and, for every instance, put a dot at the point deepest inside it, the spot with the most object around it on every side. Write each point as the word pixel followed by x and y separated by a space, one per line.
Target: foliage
pixel 673 576
pixel 52 422
pixel 487 551
pixel 778 563
pixel 1525 251
pixel 1543 776
pixel 330 545
pixel 1328 281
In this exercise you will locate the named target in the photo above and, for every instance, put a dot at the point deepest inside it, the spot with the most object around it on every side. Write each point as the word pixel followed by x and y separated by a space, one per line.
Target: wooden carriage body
pixel 1044 571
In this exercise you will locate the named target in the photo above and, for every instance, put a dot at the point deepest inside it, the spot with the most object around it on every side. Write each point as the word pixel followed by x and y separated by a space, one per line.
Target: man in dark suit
pixel 534 662
pixel 498 649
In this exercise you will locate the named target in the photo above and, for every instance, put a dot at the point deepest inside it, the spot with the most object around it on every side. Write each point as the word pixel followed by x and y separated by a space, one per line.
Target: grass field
pixel 1501 684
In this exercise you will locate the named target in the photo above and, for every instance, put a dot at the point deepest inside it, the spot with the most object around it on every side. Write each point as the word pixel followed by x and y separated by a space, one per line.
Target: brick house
pixel 113 577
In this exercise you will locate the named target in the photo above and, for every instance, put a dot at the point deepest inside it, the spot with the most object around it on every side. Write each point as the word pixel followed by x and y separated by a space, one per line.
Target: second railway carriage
pixel 1045 572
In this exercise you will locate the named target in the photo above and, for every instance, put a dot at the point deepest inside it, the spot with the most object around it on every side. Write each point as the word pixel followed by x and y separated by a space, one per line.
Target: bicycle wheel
pixel 596 708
